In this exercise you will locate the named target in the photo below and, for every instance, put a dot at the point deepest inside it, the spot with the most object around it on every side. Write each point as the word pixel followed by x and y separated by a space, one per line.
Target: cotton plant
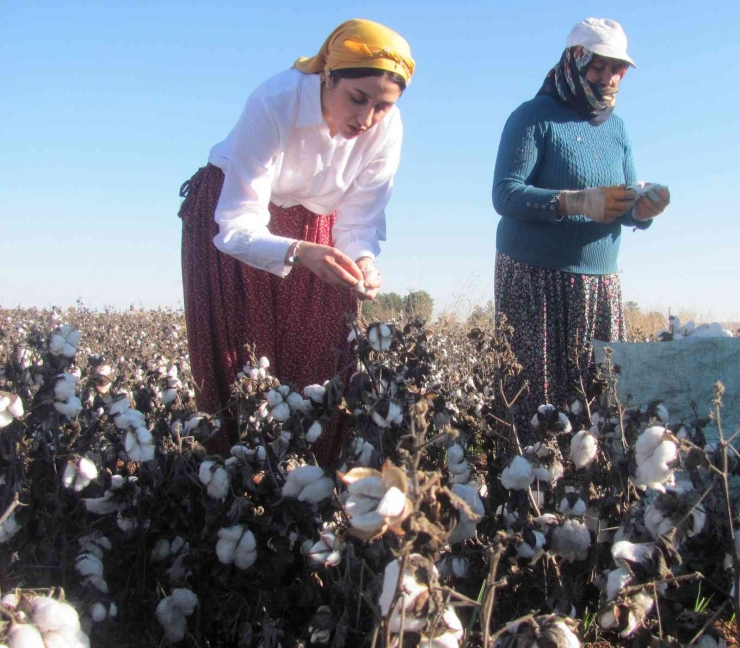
pixel 65 400
pixel 571 540
pixel 173 610
pixel 65 341
pixel 89 561
pixel 123 493
pixel 584 449
pixel 326 552
pixel 546 466
pixel 215 478
pixel 100 611
pixel 11 408
pixel 457 465
pixel 470 515
pixel 518 474
pixel 78 474
pixel 549 419
pixel 361 451
pixel 236 544
pixel 377 500
pixel 656 456
pixel 537 632
pixel 308 484
pixel 50 624
pixel 401 611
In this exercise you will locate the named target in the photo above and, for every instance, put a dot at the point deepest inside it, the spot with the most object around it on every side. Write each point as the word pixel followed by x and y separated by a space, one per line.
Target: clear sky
pixel 107 107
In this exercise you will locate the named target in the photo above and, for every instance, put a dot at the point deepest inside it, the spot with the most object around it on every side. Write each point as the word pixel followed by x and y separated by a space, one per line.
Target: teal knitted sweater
pixel 546 148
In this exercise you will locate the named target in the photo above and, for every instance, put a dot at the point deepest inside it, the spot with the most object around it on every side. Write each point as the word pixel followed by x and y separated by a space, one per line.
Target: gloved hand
pixel 600 204
pixel 653 201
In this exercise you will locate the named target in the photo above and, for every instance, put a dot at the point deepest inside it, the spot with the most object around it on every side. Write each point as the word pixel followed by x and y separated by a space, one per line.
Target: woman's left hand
pixel 651 204
pixel 372 278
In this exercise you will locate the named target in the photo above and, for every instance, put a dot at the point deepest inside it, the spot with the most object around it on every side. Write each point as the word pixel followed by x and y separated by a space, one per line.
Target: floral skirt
pixel 298 322
pixel 555 316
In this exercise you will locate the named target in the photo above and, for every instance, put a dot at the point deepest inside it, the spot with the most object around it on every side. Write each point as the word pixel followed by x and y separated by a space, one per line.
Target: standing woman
pixel 282 227
pixel 561 178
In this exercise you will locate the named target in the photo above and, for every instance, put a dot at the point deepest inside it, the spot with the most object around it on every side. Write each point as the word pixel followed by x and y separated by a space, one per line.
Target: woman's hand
pixel 651 204
pixel 600 204
pixel 371 277
pixel 329 264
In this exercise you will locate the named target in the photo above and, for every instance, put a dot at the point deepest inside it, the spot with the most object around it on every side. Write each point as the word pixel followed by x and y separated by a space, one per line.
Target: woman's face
pixel 606 73
pixel 351 106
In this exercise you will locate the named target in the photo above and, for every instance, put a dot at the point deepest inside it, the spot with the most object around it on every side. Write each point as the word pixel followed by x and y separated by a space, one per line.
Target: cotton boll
pixel 518 474
pixel 218 486
pixel 98 612
pixel 171 619
pixel 184 600
pixel 317 491
pixel 296 402
pixel 281 412
pixel 15 407
pixel 617 580
pixel 571 540
pixel 393 503
pixel 455 454
pixel 71 408
pixel 315 393
pixel 50 615
pixel 161 550
pixel 246 551
pixel 88 564
pixel 68 475
pixel 314 432
pixel 205 473
pixel 274 398
pixel 24 635
pixel 448 634
pixel 583 449
pixel 656 522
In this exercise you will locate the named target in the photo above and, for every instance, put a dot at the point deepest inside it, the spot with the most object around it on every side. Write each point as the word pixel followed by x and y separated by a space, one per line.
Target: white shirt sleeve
pixel 360 224
pixel 242 212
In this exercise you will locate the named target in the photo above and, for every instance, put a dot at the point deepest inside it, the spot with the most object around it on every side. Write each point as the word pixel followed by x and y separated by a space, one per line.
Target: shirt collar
pixel 309 108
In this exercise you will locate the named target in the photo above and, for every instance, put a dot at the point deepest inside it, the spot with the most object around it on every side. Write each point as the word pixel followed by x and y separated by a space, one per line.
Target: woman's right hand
pixel 600 204
pixel 329 264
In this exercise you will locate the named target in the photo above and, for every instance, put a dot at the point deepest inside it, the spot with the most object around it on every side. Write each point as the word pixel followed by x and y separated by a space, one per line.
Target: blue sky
pixel 109 106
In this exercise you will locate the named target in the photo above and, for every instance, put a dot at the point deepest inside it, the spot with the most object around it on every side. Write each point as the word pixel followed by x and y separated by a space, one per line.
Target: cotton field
pixel 128 518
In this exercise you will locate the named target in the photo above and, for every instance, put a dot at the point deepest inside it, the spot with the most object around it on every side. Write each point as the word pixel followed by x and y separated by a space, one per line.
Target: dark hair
pixel 359 73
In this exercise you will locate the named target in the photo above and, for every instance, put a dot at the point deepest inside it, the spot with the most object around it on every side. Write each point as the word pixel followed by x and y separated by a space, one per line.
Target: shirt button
pixel 529 204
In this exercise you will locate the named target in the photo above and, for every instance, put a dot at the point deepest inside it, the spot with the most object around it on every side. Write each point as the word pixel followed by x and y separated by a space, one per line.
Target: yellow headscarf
pixel 361 44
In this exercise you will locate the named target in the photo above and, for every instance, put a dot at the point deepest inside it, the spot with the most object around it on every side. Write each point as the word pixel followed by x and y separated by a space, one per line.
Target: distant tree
pixel 384 306
pixel 483 316
pixel 419 303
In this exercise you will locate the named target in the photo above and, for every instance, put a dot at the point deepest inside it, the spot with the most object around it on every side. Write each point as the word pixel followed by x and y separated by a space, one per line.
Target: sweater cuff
pixel 542 206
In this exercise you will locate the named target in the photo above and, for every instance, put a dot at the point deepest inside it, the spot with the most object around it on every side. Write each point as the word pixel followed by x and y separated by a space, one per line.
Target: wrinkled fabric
pixel 299 323
pixel 567 82
pixel 361 44
pixel 556 316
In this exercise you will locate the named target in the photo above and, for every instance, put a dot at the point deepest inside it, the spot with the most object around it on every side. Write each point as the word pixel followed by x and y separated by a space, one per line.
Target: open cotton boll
pixel 70 408
pixel 315 393
pixel 518 474
pixel 65 386
pixel 656 454
pixel 184 600
pixel 98 612
pixel 314 432
pixel 447 634
pixel 532 546
pixel 69 474
pixel 455 454
pixel 161 550
pixel 583 449
pixel 281 412
pixel 273 398
pixel 616 581
pixel 218 486
pixel 25 635
pixel 246 551
pixel 393 503
pixel 172 620
pixel 318 491
pixel 50 615
pixel 571 540
pixel 297 402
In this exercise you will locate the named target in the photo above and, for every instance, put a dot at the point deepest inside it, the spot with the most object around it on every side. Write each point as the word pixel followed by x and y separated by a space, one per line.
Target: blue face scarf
pixel 567 82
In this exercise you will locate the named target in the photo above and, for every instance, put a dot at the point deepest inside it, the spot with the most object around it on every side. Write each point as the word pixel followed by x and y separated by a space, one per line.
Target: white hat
pixel 601 36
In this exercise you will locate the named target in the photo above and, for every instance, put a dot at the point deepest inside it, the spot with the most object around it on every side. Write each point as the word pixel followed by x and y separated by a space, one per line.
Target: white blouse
pixel 280 151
